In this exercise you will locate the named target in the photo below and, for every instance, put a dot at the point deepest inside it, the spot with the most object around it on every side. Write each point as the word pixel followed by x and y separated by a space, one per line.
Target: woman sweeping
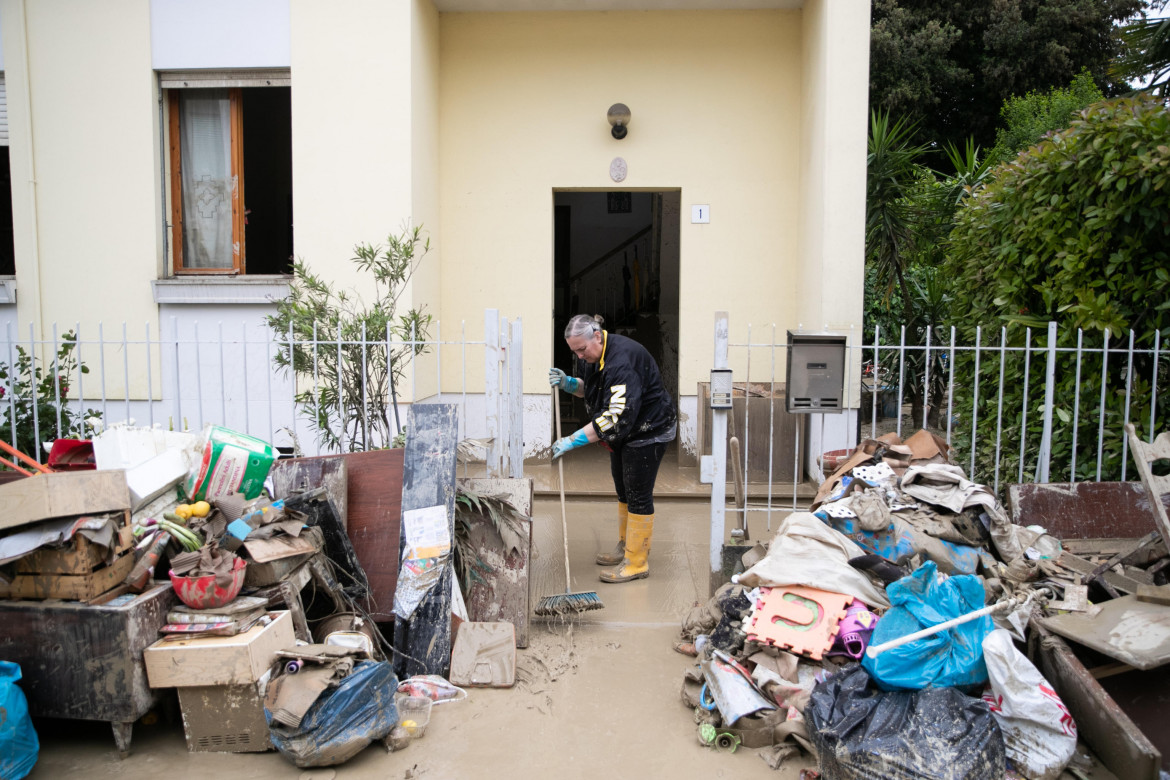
pixel 631 415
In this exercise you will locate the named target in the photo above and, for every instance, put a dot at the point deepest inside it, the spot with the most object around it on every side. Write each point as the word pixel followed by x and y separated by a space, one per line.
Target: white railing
pixel 995 399
pixel 200 373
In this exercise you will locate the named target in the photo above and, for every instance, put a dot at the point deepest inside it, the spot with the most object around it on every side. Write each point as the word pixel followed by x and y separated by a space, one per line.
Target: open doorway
pixel 617 254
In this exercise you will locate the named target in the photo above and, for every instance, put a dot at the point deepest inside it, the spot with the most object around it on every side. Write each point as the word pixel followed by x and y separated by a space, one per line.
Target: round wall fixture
pixel 618 169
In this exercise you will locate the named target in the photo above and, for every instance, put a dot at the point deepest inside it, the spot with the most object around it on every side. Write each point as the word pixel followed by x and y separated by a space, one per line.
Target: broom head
pixel 569 603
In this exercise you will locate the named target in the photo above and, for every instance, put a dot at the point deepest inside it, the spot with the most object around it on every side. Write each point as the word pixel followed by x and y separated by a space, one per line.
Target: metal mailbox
pixel 816 373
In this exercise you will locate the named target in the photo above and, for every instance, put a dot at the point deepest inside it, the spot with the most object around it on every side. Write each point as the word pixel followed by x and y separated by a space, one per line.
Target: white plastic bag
pixel 1038 731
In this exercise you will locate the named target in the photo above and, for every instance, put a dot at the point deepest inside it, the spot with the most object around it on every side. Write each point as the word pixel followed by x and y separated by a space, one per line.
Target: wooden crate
pixel 64 494
pixel 71 587
pixel 80 557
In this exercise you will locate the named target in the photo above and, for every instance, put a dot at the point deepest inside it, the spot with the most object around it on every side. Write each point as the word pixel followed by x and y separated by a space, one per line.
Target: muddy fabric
pixel 962 528
pixel 290 696
pixel 948 486
pixel 871 509
pixel 805 551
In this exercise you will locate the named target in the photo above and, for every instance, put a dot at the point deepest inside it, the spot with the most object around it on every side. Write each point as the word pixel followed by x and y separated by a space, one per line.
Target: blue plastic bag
pixel 344 720
pixel 18 739
pixel 949 658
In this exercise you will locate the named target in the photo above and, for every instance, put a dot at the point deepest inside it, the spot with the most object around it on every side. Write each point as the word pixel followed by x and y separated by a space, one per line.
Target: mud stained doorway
pixel 617 254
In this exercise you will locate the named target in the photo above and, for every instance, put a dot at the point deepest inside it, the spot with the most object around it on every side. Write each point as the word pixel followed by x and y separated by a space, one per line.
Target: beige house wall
pixel 716 105
pixel 85 162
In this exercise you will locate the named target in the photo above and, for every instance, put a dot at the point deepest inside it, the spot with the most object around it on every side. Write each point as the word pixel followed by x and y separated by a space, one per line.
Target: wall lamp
pixel 619 117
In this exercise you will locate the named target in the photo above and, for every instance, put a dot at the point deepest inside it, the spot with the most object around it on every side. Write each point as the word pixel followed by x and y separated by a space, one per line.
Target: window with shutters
pixel 230 163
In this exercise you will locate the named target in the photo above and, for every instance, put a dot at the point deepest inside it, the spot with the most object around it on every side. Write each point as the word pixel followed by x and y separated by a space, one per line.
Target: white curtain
pixel 205 139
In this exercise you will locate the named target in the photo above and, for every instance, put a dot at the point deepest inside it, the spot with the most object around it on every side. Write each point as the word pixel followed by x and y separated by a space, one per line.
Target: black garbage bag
pixel 863 733
pixel 344 720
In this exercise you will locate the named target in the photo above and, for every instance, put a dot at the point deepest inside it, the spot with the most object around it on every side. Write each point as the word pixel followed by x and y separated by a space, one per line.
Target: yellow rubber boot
pixel 634 565
pixel 619 552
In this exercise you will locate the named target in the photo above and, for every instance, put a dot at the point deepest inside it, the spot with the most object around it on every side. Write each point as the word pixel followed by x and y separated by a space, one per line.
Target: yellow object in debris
pixel 201 509
pixel 183 511
pixel 409 725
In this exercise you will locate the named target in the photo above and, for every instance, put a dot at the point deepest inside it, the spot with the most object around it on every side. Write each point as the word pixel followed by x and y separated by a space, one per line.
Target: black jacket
pixel 624 395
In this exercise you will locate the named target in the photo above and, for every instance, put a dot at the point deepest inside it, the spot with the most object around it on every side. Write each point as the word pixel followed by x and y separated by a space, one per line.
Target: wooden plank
pixel 72 587
pixel 62 494
pixel 375 517
pixel 1124 583
pixel 1084 510
pixel 504 596
pixel 428 480
pixel 85 662
pixel 1104 727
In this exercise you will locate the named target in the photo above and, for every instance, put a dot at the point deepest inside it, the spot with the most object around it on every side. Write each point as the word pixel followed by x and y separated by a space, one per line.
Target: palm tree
pixel 1147 53
pixel 892 212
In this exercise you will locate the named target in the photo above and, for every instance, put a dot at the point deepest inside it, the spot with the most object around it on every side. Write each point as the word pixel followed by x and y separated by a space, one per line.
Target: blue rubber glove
pixel 561 446
pixel 558 378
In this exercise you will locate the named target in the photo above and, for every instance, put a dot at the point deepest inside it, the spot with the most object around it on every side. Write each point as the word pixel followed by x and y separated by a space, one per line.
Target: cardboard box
pixel 224 719
pixel 81 556
pixel 71 587
pixel 63 494
pixel 218 660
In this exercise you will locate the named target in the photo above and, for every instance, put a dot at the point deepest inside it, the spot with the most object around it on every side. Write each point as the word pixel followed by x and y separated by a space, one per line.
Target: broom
pixel 566 603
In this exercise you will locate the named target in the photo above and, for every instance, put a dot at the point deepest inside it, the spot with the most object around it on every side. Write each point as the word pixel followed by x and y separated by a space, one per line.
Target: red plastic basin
pixel 203 593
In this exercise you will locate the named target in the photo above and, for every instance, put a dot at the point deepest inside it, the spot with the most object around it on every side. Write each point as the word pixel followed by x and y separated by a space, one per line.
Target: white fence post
pixel 1045 455
pixel 516 402
pixel 719 458
pixel 491 383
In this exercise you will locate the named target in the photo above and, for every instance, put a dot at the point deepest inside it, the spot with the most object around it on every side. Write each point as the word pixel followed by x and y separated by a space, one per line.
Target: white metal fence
pixel 201 373
pixel 1036 406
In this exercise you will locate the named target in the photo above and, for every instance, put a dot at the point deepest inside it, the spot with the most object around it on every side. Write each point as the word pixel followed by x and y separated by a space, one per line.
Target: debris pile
pixel 882 630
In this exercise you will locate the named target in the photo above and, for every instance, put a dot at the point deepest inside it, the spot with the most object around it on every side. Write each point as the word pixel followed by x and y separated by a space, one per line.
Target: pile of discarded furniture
pixel 301 604
pixel 911 625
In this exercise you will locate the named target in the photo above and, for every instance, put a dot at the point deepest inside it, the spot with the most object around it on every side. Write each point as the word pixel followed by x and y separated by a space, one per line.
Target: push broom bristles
pixel 567 603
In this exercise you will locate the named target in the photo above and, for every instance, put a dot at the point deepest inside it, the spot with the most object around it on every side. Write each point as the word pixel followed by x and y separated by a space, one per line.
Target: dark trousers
pixel 634 470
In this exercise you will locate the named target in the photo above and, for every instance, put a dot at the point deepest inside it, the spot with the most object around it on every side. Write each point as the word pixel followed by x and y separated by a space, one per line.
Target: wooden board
pixel 1084 510
pixel 85 662
pixel 1104 727
pixel 63 494
pixel 428 480
pixel 81 556
pixel 504 596
pixel 71 587
pixel 375 521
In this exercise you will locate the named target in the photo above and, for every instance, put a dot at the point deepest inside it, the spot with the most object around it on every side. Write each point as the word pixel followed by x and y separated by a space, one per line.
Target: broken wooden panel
pixel 428 480
pixel 1104 727
pixel 503 593
pixel 1084 510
